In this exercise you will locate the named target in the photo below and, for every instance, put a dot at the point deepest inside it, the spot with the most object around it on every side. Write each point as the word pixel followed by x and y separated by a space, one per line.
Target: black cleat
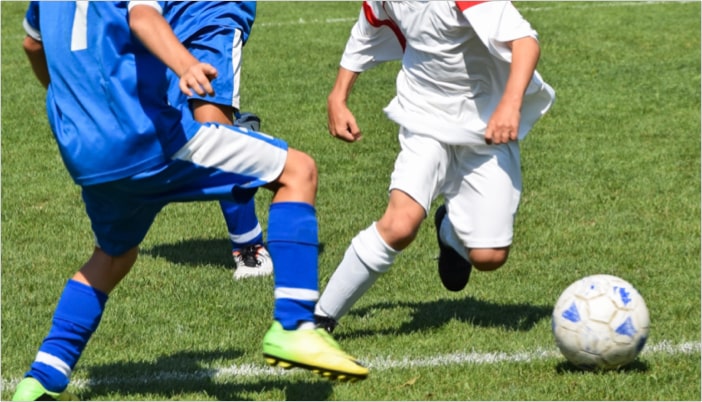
pixel 454 270
pixel 326 323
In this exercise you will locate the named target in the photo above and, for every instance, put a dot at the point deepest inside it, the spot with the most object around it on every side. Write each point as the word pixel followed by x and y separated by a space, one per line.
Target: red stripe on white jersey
pixel 377 22
pixel 464 5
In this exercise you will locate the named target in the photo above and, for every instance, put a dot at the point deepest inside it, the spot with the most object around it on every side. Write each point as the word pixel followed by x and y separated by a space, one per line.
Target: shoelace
pixel 249 255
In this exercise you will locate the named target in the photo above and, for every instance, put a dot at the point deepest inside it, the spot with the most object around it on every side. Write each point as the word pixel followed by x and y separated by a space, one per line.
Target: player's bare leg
pixel 292 238
pixel 370 255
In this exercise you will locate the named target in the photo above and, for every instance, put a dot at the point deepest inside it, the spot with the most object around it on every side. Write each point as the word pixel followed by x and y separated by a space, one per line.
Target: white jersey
pixel 455 64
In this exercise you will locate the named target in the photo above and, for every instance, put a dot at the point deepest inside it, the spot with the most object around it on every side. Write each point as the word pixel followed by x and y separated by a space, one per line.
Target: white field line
pixel 576 4
pixel 379 364
pixel 521 7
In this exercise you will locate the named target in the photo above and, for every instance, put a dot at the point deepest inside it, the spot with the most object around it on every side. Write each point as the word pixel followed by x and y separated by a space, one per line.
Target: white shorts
pixel 481 185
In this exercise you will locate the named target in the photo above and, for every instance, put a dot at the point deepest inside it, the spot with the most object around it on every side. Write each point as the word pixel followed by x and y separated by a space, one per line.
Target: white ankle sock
pixel 307 325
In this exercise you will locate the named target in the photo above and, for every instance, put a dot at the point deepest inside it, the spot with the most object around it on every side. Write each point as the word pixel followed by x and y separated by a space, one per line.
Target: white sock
pixel 307 325
pixel 364 262
pixel 449 237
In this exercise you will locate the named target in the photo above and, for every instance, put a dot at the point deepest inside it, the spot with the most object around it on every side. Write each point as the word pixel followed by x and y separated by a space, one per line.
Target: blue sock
pixel 242 223
pixel 76 317
pixel 293 245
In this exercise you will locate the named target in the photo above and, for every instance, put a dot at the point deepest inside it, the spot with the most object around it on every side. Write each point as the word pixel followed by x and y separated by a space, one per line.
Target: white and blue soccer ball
pixel 600 322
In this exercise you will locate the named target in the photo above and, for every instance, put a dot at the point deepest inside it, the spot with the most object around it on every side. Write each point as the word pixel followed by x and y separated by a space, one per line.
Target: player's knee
pixel 300 170
pixel 307 168
pixel 399 229
pixel 489 259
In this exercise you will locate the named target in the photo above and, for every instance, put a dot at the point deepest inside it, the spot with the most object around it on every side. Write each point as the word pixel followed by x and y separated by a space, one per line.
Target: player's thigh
pixel 235 155
pixel 219 162
pixel 483 192
pixel 420 168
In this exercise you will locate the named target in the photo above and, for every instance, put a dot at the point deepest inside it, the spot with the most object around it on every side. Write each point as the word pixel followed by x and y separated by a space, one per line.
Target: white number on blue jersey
pixel 79 34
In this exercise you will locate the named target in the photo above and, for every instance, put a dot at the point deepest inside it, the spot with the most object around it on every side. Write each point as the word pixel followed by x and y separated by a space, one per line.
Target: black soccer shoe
pixel 454 270
pixel 326 323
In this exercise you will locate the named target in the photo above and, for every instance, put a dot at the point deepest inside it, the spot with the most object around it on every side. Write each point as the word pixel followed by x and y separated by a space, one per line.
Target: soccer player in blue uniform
pixel 215 32
pixel 131 152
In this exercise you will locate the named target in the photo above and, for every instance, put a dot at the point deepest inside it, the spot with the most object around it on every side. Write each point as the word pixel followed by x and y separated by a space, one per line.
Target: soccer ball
pixel 600 322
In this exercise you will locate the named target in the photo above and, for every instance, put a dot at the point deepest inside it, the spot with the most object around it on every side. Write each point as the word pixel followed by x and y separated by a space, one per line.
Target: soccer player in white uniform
pixel 132 153
pixel 215 32
pixel 467 92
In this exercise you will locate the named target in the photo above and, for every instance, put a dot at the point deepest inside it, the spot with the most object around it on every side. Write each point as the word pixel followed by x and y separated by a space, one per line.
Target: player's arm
pixel 370 43
pixel 508 37
pixel 34 50
pixel 33 47
pixel 147 24
pixel 503 125
pixel 340 120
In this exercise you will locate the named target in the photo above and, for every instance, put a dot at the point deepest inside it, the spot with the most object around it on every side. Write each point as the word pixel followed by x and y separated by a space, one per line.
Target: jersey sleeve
pixel 374 39
pixel 157 5
pixel 496 23
pixel 31 21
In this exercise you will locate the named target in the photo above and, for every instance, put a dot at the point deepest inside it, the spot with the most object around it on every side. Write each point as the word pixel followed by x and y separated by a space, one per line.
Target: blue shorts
pixel 219 163
pixel 221 48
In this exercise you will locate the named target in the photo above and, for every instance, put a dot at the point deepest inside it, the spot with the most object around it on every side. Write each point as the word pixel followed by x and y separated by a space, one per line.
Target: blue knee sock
pixel 242 223
pixel 76 317
pixel 293 245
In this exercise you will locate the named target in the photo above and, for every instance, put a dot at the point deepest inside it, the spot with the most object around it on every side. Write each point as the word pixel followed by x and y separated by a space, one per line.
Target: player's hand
pixel 197 78
pixel 504 124
pixel 341 122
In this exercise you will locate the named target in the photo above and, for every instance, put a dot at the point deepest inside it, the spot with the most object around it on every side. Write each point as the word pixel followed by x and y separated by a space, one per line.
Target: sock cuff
pixel 292 222
pixel 91 301
pixel 88 290
pixel 292 206
pixel 372 250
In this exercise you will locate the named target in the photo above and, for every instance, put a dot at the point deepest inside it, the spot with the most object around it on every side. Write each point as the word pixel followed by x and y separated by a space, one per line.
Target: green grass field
pixel 611 185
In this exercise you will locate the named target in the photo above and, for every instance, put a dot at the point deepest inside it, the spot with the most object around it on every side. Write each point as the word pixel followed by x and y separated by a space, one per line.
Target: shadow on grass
pixel 197 252
pixel 434 314
pixel 637 366
pixel 194 252
pixel 186 373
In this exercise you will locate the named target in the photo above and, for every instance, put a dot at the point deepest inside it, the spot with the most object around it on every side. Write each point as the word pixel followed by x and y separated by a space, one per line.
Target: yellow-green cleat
pixel 30 389
pixel 328 337
pixel 311 350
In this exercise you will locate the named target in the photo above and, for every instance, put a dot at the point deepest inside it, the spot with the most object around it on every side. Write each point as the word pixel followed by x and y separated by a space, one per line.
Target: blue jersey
pixel 195 18
pixel 106 101
pixel 214 32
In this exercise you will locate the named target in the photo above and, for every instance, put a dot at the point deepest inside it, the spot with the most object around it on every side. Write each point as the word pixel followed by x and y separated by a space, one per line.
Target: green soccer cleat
pixel 327 337
pixel 30 389
pixel 311 350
